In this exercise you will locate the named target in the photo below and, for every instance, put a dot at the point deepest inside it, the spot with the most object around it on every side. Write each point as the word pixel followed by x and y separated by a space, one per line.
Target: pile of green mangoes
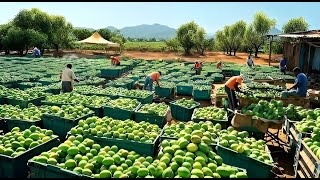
pixel 210 113
pixel 124 103
pixel 191 103
pixel 159 109
pixel 272 110
pixel 69 111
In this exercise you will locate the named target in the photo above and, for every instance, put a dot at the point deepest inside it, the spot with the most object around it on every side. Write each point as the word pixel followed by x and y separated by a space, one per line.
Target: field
pixel 145 46
pixel 102 103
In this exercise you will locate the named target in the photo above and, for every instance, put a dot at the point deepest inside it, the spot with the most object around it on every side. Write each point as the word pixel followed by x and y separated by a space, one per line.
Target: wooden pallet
pixel 216 99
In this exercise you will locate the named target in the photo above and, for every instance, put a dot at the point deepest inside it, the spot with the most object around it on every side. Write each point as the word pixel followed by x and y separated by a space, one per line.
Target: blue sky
pixel 210 15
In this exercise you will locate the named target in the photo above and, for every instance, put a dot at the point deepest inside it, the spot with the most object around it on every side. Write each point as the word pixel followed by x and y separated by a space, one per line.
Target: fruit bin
pixel 118 113
pixel 17 167
pixel 111 73
pixel 223 122
pixel 53 91
pixel 151 118
pixel 139 147
pixel 24 103
pixel 184 90
pixel 201 94
pixel 24 86
pixel 145 100
pixel 255 168
pixel 3 100
pixel 3 126
pixel 22 124
pixel 59 125
pixel 182 113
pixel 40 170
pixel 307 162
pixel 164 92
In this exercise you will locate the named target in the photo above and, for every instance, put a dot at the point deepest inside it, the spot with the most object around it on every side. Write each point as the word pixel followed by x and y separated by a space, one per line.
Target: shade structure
pixel 96 38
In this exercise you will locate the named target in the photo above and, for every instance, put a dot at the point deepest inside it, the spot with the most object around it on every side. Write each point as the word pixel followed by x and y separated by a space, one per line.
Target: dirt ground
pixel 240 58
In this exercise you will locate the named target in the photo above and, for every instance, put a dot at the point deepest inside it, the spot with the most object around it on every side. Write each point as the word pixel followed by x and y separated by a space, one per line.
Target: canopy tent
pixel 96 38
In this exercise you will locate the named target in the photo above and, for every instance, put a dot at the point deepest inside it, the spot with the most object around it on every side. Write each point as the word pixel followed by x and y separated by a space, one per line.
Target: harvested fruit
pixel 210 113
pixel 124 103
pixel 159 109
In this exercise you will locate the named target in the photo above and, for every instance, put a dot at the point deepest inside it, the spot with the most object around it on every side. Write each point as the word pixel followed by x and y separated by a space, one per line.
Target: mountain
pixel 275 31
pixel 157 31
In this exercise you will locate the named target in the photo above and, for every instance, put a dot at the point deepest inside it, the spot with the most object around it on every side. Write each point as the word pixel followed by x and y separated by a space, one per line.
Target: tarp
pixel 96 38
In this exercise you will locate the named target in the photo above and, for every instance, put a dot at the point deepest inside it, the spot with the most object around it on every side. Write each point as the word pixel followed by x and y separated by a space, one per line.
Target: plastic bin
pixel 111 73
pixel 164 92
pixel 182 113
pixel 139 147
pixel 98 111
pixel 223 122
pixel 60 126
pixel 201 94
pixel 3 100
pixel 3 126
pixel 146 100
pixel 17 167
pixel 22 124
pixel 40 170
pixel 118 113
pixel 153 119
pixel 24 103
pixel 184 90
pixel 255 168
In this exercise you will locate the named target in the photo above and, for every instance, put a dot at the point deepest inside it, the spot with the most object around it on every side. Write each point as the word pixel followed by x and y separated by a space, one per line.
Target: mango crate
pixel 145 100
pixel 151 118
pixel 308 163
pixel 222 122
pixel 182 113
pixel 201 94
pixel 111 73
pixel 255 168
pixel 118 113
pixel 147 149
pixel 22 124
pixel 184 90
pixel 16 167
pixel 24 103
pixel 3 100
pixel 164 92
pixel 59 125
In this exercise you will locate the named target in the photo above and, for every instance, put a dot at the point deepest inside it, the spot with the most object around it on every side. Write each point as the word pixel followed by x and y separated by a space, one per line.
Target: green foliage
pixel 82 34
pixel 295 24
pixel 236 34
pixel 186 35
pixel 201 43
pixel 173 44
pixel 61 34
pixel 255 34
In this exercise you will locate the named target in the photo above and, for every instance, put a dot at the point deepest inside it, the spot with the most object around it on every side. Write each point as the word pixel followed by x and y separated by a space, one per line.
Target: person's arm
pixel 236 87
pixel 60 76
pixel 74 77
pixel 295 85
pixel 157 81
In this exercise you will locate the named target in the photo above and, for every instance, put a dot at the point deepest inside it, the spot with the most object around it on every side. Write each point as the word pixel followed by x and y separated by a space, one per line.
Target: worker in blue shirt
pixel 283 65
pixel 300 87
pixel 36 52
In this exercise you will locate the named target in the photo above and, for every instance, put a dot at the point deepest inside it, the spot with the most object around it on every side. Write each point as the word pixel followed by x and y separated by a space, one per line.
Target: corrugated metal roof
pixel 300 35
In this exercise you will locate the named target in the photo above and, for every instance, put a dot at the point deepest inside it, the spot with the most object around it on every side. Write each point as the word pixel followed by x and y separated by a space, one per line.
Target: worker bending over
pixel 231 86
pixel 115 61
pixel 154 76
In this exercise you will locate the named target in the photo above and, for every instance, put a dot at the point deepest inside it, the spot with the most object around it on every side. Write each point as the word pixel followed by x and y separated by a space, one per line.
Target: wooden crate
pixel 216 99
pixel 308 164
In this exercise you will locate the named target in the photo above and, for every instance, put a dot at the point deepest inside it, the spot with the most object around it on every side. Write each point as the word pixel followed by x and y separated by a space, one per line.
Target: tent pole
pixel 309 58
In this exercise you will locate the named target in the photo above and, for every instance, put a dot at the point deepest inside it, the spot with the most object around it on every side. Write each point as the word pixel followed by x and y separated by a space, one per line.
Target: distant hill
pixel 157 31
pixel 275 31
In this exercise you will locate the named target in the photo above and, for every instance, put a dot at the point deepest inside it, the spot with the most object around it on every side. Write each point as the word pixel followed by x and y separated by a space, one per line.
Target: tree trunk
pixel 7 52
pixel 256 52
pixel 234 52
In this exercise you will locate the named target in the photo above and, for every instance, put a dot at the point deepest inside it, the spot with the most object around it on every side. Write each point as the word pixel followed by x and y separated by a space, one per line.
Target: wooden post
pixel 270 49
pixel 308 58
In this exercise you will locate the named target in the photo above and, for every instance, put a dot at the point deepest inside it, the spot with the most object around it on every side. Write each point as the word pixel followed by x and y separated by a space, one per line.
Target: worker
pixel 283 65
pixel 219 64
pixel 300 87
pixel 115 61
pixel 67 77
pixel 231 86
pixel 250 61
pixel 197 67
pixel 36 52
pixel 152 77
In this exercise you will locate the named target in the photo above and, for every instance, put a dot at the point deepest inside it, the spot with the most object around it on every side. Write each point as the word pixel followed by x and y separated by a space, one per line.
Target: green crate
pixel 22 124
pixel 17 167
pixel 201 94
pixel 24 86
pixel 98 111
pixel 181 113
pixel 139 147
pixel 23 103
pixel 118 113
pixel 184 90
pixel 164 92
pixel 223 122
pixel 255 168
pixel 236 72
pixel 3 100
pixel 146 100
pixel 60 126
pixel 40 170
pixel 3 126
pixel 153 119
pixel 54 91
pixel 111 73
pixel 218 79
pixel 45 83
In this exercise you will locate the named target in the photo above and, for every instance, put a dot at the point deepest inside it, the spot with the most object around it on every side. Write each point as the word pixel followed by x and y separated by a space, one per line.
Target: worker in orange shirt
pixel 115 61
pixel 154 76
pixel 231 86
pixel 219 64
pixel 197 67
